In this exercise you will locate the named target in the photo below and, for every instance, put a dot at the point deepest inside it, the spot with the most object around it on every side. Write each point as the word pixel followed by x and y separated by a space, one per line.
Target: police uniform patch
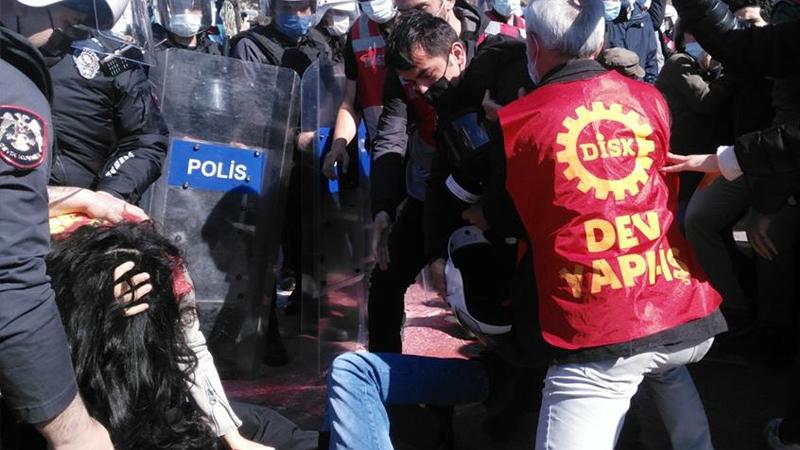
pixel 87 62
pixel 23 137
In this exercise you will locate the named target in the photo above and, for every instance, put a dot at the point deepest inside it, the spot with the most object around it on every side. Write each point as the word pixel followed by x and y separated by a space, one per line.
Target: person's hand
pixel 691 163
pixel 474 215
pixel 381 229
pixel 338 154
pixel 490 107
pixel 757 227
pixel 439 280
pixel 235 441
pixel 104 206
pixel 131 290
pixel 305 141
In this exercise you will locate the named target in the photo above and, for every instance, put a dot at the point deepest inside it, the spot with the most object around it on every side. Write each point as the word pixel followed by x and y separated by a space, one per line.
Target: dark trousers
pixel 386 305
pixel 790 428
pixel 266 426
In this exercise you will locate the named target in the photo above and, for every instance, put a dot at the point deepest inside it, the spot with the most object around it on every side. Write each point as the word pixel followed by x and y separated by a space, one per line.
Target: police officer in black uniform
pixel 36 374
pixel 289 40
pixel 187 24
pixel 110 135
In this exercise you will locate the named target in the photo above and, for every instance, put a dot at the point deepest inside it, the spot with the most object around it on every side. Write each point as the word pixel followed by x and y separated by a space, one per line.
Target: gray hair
pixel 574 28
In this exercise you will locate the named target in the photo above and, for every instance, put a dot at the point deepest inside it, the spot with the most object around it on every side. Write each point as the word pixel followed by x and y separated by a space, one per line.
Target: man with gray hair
pixel 621 298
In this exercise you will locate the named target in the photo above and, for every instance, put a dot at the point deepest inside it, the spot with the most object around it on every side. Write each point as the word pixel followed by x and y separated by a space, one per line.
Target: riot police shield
pixel 338 221
pixel 221 195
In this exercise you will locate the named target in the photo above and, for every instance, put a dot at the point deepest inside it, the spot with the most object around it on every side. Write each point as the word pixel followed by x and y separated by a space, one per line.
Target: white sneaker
pixel 773 437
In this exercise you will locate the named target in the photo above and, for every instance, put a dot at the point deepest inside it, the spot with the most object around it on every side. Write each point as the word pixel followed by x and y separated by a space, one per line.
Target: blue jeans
pixel 361 386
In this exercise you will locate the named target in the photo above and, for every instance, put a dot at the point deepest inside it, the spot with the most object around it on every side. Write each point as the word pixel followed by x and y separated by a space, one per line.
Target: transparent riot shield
pixel 221 195
pixel 338 223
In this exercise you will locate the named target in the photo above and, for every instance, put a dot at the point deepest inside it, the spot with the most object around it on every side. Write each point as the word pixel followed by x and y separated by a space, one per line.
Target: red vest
pixel 368 47
pixel 497 26
pixel 426 113
pixel 582 170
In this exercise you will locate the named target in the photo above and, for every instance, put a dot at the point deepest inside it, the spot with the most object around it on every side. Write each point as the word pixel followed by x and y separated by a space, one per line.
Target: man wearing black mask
pixel 403 150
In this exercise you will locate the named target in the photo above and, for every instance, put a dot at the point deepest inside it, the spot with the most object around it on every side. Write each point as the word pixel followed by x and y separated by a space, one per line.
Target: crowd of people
pixel 554 164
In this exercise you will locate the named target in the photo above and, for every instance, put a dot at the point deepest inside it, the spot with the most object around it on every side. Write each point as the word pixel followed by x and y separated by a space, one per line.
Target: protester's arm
pixel 771 50
pixel 656 11
pixel 498 208
pixel 344 131
pixel 143 139
pixel 704 97
pixel 389 148
pixel 441 216
pixel 769 152
pixel 206 387
pixel 651 63
pixel 74 429
pixel 97 205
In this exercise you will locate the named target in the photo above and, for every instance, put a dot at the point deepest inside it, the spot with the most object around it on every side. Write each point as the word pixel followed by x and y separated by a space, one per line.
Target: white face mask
pixel 507 8
pixel 532 64
pixel 612 10
pixel 338 25
pixel 379 11
pixel 186 25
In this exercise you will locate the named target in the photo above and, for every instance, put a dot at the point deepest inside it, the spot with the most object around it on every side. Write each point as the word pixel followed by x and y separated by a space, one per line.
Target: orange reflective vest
pixel 582 170
pixel 369 50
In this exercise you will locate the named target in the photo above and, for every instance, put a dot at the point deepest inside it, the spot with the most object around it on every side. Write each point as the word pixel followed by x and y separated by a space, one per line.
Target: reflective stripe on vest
pixel 369 51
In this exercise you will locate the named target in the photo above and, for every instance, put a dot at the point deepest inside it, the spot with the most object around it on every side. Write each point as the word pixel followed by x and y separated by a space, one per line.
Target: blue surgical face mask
pixel 693 49
pixel 612 10
pixel 294 26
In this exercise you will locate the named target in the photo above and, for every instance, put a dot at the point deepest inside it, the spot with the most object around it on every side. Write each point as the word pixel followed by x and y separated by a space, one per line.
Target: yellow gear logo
pixel 587 180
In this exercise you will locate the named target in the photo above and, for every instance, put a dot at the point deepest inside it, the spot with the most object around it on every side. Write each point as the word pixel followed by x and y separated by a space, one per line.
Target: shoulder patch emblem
pixel 23 137
pixel 88 63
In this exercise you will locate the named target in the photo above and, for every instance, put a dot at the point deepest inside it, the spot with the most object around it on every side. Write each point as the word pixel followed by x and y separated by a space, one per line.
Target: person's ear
pixel 460 53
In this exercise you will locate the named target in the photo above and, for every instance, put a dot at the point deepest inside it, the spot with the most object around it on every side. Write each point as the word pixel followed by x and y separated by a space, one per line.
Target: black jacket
pixel 35 364
pixel 204 42
pixel 772 51
pixel 110 134
pixel 499 66
pixel 389 146
pixel 266 45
